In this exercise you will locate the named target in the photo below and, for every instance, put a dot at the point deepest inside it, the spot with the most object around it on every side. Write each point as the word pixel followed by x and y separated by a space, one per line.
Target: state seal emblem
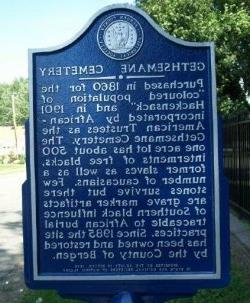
pixel 120 37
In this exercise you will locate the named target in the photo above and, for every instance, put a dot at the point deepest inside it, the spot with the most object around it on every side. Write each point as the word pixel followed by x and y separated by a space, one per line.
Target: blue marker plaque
pixel 124 189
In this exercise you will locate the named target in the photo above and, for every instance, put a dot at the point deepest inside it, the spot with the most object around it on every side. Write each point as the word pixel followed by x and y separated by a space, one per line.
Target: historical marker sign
pixel 124 171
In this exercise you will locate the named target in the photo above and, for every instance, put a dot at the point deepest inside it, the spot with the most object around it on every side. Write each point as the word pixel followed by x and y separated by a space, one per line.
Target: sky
pixel 37 24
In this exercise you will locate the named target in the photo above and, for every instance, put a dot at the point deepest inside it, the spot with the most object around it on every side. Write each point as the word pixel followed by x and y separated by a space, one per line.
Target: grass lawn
pixel 11 168
pixel 237 292
pixel 43 296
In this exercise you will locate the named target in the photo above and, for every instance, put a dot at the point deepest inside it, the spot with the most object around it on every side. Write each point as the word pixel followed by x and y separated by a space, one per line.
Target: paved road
pixel 11 249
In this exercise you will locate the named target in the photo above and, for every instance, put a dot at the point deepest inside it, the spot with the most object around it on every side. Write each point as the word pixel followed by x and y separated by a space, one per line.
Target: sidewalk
pixel 240 230
pixel 240 241
pixel 11 247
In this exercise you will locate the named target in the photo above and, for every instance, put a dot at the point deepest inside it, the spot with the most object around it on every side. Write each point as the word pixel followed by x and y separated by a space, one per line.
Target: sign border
pixel 216 216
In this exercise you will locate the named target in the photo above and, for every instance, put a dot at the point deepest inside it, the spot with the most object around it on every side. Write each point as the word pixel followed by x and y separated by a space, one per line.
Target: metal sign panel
pixel 124 178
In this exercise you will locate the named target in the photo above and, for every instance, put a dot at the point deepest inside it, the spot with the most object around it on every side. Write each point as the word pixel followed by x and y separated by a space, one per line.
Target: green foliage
pixel 43 296
pixel 237 291
pixel 227 23
pixel 10 169
pixel 12 158
pixel 5 105
pixel 18 89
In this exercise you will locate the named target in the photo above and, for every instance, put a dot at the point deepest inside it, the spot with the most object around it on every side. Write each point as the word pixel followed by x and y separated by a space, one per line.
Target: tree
pixel 227 23
pixel 5 105
pixel 18 89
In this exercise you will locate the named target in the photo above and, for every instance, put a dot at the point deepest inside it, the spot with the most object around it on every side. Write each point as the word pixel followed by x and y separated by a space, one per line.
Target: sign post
pixel 125 191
